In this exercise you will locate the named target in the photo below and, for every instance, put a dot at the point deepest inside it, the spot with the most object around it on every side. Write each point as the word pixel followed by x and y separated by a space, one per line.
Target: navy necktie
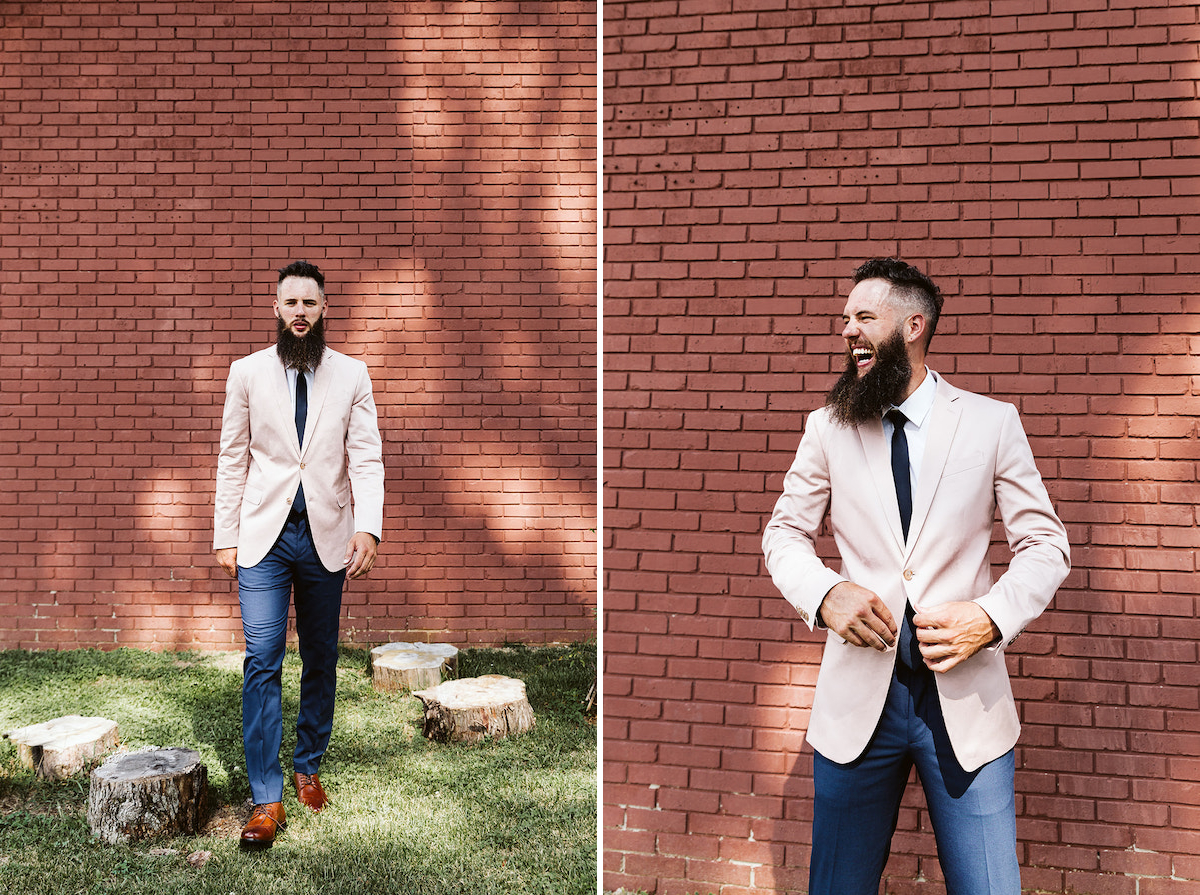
pixel 908 647
pixel 301 415
pixel 900 468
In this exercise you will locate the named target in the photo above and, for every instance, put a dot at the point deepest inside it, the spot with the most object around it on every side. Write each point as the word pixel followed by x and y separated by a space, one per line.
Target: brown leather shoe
pixel 264 823
pixel 310 792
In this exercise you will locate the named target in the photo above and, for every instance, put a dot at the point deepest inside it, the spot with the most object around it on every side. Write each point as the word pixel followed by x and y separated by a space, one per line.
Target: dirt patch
pixel 227 821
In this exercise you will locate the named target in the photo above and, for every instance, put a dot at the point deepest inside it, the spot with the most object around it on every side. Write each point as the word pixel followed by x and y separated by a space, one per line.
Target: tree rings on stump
pixel 471 709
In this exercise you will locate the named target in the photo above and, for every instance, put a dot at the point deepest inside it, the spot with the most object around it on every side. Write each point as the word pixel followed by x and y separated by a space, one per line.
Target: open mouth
pixel 863 355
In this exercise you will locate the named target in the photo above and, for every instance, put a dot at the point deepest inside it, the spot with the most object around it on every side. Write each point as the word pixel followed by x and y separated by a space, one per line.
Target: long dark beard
pixel 853 401
pixel 305 353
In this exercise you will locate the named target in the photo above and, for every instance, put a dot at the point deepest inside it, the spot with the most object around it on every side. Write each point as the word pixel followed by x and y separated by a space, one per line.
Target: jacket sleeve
pixel 233 460
pixel 789 541
pixel 1041 556
pixel 364 458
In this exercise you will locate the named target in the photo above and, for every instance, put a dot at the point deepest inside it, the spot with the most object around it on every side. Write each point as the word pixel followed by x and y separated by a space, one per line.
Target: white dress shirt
pixel 916 410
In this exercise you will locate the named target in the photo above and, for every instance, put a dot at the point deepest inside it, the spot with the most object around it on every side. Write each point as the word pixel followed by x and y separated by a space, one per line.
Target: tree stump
pixel 411 666
pixel 468 710
pixel 152 792
pixel 60 748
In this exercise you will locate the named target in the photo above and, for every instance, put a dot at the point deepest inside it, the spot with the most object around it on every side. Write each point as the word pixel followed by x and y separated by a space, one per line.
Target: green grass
pixel 408 815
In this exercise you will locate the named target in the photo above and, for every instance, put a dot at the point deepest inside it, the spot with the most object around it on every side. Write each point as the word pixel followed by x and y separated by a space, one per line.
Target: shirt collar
pixel 917 406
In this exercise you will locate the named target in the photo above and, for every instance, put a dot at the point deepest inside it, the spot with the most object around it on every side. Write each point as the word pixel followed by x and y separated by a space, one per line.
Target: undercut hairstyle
pixel 305 271
pixel 911 289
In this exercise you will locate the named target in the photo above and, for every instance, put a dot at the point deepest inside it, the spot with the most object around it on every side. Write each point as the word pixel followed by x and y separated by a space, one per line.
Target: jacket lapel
pixel 283 400
pixel 322 379
pixel 943 423
pixel 879 463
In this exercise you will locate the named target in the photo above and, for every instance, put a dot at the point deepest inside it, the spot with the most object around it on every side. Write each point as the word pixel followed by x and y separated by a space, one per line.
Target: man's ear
pixel 914 328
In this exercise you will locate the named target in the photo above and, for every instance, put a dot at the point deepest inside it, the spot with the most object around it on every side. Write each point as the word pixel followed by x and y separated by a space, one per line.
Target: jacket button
pixel 908 574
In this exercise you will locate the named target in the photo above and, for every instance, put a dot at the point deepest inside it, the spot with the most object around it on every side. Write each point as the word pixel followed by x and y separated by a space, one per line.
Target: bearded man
pixel 299 505
pixel 910 472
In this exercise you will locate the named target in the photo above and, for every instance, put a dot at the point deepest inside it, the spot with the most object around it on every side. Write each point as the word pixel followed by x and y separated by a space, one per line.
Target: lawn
pixel 407 815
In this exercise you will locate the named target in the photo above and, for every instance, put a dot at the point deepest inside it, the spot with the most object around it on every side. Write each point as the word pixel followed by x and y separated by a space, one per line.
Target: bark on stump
pixel 411 666
pixel 470 709
pixel 153 792
pixel 60 748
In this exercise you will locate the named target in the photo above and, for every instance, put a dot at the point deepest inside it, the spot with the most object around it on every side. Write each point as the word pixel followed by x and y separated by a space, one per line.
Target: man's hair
pixel 912 289
pixel 304 270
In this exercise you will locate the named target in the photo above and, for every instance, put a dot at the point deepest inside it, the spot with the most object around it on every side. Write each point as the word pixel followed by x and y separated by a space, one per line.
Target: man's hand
pixel 360 554
pixel 227 560
pixel 858 616
pixel 953 632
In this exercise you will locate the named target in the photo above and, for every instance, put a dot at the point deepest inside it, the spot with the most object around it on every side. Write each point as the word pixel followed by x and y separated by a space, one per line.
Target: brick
pixel 158 254
pixel 813 171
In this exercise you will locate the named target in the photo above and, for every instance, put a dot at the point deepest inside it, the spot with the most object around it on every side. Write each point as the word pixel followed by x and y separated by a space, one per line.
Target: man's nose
pixel 850 330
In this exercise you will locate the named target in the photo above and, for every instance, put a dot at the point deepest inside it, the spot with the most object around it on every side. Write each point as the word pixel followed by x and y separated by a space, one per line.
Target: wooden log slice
pixel 60 748
pixel 153 792
pixel 411 666
pixel 470 709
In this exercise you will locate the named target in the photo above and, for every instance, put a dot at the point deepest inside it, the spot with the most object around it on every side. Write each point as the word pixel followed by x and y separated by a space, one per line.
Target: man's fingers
pixel 360 554
pixel 227 560
pixel 867 628
pixel 882 622
pixel 858 616
pixel 882 627
pixel 360 565
pixel 871 631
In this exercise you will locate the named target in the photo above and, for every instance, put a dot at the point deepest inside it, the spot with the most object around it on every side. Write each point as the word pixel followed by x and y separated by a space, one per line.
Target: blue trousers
pixel 264 592
pixel 857 804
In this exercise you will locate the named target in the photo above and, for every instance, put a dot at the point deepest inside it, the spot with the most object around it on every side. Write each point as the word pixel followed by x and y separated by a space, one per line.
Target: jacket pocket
pixel 965 463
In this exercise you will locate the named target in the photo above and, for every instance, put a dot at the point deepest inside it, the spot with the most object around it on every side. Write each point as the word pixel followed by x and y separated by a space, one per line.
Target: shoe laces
pixel 262 809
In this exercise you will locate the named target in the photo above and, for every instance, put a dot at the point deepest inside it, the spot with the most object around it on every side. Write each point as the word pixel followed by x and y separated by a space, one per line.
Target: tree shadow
pixel 434 158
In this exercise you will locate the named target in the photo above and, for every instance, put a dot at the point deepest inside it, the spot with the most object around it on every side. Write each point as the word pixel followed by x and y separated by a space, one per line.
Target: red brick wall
pixel 1041 159
pixel 158 161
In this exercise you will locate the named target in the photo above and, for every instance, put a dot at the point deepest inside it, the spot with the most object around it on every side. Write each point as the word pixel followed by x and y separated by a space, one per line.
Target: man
pixel 913 669
pixel 299 505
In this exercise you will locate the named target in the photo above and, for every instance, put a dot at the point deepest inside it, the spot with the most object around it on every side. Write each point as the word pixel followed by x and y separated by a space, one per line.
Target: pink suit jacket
pixel 261 465
pixel 977 458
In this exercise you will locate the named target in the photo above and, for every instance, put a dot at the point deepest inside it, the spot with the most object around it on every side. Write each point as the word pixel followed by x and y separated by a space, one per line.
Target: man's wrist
pixel 818 619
